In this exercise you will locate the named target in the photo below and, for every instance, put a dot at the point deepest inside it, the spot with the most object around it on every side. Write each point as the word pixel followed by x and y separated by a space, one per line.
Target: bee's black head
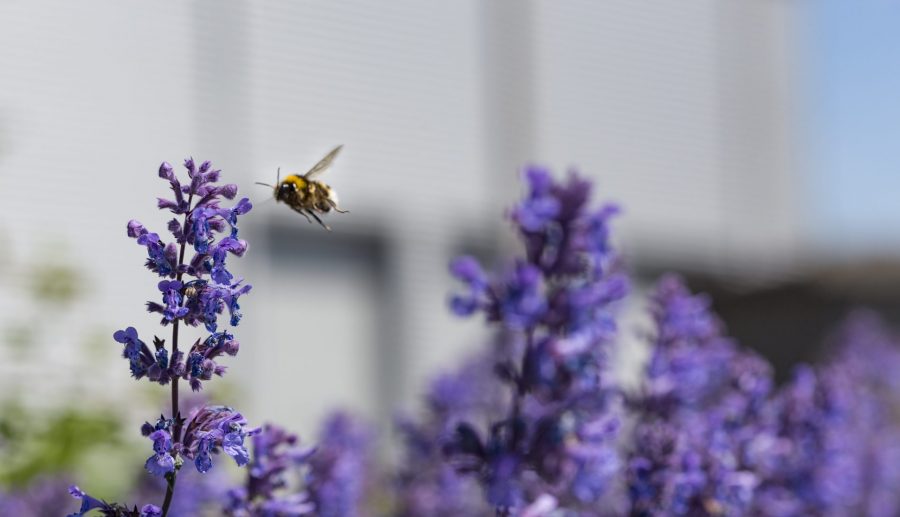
pixel 285 190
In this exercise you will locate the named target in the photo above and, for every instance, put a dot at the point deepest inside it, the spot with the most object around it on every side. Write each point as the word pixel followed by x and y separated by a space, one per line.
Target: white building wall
pixel 675 108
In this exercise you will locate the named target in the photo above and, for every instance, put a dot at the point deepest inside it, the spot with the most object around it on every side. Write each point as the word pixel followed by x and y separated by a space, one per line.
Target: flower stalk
pixel 172 477
pixel 212 230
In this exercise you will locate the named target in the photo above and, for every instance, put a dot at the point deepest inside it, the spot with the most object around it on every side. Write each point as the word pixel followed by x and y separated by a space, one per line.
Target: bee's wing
pixel 323 164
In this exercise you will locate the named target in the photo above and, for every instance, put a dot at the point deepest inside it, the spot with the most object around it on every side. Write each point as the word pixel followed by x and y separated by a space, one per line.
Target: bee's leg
pixel 301 212
pixel 336 209
pixel 319 220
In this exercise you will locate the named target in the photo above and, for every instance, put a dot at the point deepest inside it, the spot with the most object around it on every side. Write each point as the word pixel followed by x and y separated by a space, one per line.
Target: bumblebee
pixel 307 196
pixel 193 288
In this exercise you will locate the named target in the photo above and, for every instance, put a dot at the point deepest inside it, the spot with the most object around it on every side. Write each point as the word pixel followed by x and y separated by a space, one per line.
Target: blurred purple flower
pixel 540 207
pixel 425 484
pixel 340 470
pixel 467 270
pixel 553 308
pixel 832 442
pixel 700 408
pixel 40 497
pixel 276 455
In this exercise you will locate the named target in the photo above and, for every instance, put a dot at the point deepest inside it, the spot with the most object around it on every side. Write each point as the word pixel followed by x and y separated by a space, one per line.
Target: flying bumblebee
pixel 307 196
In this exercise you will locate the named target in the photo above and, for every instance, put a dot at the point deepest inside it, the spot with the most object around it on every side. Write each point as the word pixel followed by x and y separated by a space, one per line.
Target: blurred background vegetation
pixel 57 427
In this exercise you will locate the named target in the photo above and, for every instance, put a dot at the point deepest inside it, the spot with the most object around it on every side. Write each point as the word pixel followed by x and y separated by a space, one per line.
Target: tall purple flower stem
pixel 212 230
pixel 176 416
pixel 552 310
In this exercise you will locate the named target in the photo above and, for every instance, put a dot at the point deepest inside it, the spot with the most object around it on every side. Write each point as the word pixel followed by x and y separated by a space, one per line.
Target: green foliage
pixel 63 435
pixel 53 442
pixel 55 283
pixel 18 337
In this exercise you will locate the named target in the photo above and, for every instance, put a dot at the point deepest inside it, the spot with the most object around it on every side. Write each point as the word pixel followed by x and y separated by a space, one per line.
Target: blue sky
pixel 849 100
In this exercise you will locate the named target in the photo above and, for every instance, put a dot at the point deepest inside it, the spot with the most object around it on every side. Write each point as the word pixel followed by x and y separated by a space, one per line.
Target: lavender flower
pixel 533 426
pixel 213 288
pixel 43 496
pixel 689 362
pixel 192 292
pixel 268 491
pixel 698 415
pixel 339 475
pixel 832 446
pixel 552 308
pixel 805 450
pixel 867 355
pixel 425 483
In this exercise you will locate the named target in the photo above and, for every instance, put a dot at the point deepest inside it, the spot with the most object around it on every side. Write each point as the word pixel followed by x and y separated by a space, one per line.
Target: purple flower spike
pixel 701 417
pixel 196 290
pixel 196 287
pixel 276 458
pixel 339 470
pixel 552 311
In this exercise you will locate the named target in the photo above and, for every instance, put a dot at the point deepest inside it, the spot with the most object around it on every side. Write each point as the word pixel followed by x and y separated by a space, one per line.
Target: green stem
pixel 170 491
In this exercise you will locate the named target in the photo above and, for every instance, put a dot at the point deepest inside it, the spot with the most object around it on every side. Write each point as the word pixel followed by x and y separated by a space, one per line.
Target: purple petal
pixel 160 464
